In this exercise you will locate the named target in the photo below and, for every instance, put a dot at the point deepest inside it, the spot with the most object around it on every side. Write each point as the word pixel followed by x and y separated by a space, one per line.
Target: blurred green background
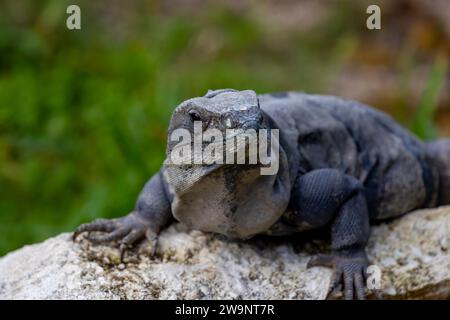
pixel 83 114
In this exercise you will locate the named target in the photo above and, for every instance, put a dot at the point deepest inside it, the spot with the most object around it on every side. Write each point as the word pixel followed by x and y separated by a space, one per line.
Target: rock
pixel 413 254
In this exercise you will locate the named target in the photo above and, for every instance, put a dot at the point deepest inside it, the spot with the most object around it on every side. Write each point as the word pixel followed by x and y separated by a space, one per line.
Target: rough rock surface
pixel 413 253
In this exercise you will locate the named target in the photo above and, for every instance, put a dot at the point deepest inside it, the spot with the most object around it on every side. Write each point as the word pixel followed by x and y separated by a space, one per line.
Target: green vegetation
pixel 83 114
pixel 423 125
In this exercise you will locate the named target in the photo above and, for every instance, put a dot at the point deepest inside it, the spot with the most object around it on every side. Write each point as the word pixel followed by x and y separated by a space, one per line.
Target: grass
pixel 423 125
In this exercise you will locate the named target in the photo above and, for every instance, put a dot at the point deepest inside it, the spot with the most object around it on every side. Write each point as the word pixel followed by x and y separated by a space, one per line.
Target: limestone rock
pixel 413 254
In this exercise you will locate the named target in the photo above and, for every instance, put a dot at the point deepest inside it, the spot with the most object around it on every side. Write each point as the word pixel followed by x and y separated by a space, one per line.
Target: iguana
pixel 342 166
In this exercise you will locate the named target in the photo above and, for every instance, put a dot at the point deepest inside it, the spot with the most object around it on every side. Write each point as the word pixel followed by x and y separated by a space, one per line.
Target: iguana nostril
pixel 228 123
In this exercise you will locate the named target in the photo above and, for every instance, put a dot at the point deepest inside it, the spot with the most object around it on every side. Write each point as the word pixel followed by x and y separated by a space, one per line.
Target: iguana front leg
pixel 326 196
pixel 151 214
pixel 349 235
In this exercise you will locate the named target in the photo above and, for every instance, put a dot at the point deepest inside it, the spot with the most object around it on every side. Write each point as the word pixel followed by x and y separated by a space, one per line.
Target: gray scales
pixel 343 166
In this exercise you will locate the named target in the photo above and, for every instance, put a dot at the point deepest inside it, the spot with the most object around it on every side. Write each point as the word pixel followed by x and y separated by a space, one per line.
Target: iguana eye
pixel 228 123
pixel 194 115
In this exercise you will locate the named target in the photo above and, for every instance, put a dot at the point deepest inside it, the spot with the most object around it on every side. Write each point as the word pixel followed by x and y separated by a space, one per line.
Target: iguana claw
pixel 127 230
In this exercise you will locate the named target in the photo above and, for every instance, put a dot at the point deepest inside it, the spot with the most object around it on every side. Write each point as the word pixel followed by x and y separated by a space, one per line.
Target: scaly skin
pixel 342 166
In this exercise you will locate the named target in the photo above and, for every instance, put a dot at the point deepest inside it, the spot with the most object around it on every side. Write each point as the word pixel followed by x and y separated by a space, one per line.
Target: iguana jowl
pixel 342 166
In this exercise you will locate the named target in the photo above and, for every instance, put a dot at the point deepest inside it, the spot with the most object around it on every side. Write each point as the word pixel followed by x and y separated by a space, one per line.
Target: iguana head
pixel 219 109
pixel 229 198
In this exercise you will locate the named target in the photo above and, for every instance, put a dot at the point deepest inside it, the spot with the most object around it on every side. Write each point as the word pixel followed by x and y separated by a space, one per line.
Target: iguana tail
pixel 439 154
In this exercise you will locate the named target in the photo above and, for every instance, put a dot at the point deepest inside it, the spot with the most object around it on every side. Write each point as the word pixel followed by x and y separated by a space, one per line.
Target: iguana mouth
pixel 234 144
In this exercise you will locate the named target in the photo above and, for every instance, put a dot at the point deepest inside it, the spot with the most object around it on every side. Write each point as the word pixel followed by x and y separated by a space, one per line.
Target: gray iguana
pixel 342 166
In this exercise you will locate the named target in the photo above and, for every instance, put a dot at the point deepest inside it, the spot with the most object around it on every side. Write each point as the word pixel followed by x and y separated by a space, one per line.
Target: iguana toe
pixel 349 273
